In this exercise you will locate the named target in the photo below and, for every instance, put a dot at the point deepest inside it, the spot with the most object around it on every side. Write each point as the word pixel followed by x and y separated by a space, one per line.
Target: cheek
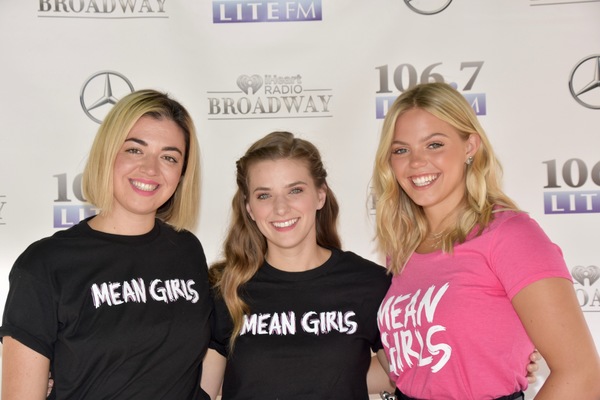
pixel 120 164
pixel 125 165
pixel 120 172
pixel 260 217
pixel 259 211
pixel 455 164
pixel 173 174
pixel 397 168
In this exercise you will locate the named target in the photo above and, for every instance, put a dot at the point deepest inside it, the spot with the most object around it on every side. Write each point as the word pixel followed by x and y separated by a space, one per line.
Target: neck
pixel 438 223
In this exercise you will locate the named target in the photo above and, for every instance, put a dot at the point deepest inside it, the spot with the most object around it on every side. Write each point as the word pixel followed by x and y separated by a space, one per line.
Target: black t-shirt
pixel 309 334
pixel 120 317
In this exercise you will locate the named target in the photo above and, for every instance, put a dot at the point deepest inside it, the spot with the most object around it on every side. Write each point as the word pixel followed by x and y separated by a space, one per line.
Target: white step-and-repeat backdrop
pixel 324 69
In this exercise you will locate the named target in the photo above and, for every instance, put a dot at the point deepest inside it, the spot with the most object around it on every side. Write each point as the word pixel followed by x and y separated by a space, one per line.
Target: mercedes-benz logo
pixel 427 7
pixel 584 82
pixel 101 91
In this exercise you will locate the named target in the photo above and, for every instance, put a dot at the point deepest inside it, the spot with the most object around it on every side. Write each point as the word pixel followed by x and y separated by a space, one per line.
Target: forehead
pixel 280 172
pixel 419 123
pixel 163 129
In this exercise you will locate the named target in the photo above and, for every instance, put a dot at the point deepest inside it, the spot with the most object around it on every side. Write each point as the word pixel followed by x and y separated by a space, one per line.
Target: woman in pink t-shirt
pixel 477 283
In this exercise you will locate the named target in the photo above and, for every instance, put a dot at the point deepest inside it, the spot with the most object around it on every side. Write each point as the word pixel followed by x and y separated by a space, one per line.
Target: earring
pixel 469 160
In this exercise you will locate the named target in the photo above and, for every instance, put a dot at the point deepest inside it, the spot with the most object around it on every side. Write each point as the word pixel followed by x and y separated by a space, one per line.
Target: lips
pixel 285 224
pixel 424 180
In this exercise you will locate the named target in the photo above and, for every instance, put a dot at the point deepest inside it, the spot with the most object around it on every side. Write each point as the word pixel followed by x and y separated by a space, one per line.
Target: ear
pixel 249 209
pixel 322 196
pixel 473 143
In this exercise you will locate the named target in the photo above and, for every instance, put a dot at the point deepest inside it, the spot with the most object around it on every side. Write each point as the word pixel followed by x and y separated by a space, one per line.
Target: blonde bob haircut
pixel 401 224
pixel 181 210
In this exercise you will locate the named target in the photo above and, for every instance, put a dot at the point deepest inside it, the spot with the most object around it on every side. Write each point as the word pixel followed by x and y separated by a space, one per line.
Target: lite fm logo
pixel 240 11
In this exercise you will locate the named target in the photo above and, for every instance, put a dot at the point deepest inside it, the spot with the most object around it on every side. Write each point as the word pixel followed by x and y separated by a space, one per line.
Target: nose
pixel 281 205
pixel 417 159
pixel 149 165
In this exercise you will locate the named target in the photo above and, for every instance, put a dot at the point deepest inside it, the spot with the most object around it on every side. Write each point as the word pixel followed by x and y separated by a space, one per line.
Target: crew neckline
pixel 322 269
pixel 128 239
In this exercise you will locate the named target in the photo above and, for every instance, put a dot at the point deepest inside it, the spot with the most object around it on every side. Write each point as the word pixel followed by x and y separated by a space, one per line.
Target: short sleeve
pixel 522 253
pixel 382 285
pixel 30 314
pixel 221 325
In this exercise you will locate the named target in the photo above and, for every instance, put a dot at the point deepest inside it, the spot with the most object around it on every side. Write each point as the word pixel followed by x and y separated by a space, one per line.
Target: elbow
pixel 595 385
pixel 593 379
pixel 581 382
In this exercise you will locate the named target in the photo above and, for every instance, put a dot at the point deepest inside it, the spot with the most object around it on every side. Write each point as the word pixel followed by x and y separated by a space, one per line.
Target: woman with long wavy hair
pixel 476 282
pixel 295 316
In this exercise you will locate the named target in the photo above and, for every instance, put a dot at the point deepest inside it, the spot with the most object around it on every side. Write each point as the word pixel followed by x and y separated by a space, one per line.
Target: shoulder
pixel 36 257
pixel 520 234
pixel 514 222
pixel 167 229
pixel 353 262
pixel 182 236
pixel 510 216
pixel 183 243
pixel 363 278
pixel 355 258
pixel 56 242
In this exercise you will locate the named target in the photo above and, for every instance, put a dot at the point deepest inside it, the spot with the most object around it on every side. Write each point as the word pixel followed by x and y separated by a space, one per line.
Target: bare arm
pixel 553 320
pixel 378 378
pixel 24 372
pixel 213 368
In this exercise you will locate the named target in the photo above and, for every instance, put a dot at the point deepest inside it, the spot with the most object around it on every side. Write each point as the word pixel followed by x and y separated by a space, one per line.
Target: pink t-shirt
pixel 447 323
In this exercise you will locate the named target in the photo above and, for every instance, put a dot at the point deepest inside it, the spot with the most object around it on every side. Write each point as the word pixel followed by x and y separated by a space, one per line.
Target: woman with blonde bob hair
pixel 477 284
pixel 295 316
pixel 118 305
pixel 180 211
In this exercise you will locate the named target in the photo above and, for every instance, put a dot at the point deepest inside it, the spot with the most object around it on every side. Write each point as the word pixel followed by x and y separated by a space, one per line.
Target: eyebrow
pixel 290 185
pixel 144 143
pixel 426 138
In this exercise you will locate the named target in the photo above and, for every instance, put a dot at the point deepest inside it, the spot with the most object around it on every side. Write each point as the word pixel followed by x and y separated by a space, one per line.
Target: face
pixel 428 159
pixel 148 167
pixel 283 201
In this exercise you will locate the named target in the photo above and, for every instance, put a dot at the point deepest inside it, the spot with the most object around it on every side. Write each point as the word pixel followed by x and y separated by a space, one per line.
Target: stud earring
pixel 469 160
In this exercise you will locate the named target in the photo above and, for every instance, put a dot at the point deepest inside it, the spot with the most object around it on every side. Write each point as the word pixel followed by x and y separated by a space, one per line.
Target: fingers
pixel 533 366
pixel 50 385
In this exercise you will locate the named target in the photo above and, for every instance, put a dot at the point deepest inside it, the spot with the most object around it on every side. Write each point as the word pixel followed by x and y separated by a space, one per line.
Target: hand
pixel 50 384
pixel 533 366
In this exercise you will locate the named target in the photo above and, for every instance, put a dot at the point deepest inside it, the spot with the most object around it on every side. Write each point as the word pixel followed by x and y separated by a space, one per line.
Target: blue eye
pixel 399 151
pixel 436 145
pixel 262 196
pixel 296 190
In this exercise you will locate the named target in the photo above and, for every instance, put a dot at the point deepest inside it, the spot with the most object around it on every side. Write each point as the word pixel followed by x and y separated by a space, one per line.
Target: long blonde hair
pixel 401 224
pixel 181 210
pixel 245 246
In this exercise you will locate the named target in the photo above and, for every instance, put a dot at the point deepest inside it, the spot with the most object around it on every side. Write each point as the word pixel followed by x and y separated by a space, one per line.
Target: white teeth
pixel 424 180
pixel 285 224
pixel 146 187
